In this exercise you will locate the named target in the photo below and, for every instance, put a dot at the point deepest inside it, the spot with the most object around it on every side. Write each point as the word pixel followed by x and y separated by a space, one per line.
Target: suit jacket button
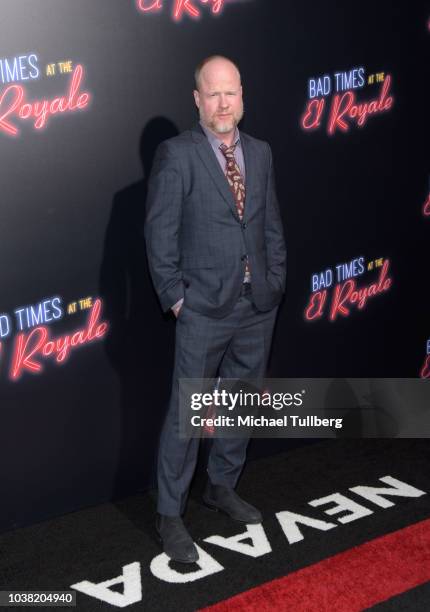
pixel 243 225
pixel 243 258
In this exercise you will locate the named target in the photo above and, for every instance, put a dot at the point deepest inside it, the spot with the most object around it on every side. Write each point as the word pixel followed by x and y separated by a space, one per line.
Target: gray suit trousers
pixel 235 346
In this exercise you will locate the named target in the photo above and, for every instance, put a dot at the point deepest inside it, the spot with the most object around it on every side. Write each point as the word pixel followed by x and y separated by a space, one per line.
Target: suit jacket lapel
pixel 209 159
pixel 250 172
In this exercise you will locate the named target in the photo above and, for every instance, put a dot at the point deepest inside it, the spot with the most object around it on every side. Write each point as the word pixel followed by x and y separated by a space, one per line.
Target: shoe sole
pixel 216 509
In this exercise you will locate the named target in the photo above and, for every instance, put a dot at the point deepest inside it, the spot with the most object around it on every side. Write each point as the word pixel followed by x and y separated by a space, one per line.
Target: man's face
pixel 219 97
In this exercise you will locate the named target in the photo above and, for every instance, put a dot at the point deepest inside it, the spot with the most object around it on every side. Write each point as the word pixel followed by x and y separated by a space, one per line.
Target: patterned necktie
pixel 234 177
pixel 235 180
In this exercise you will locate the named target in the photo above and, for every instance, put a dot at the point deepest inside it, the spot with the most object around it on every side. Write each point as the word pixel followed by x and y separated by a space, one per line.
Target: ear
pixel 196 98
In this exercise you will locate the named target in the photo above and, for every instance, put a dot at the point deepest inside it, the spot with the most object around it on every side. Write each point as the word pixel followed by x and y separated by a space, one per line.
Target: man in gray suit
pixel 217 257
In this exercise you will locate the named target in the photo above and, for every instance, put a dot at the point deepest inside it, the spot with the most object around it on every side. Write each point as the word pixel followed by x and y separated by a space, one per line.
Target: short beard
pixel 224 128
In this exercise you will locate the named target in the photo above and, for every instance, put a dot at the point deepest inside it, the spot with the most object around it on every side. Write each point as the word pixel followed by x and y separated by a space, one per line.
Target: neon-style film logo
pixel 35 344
pixel 336 293
pixel 16 106
pixel 426 207
pixel 333 101
pixel 181 8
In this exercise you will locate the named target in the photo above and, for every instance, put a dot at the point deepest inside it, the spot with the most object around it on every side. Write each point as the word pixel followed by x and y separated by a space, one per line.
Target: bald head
pixel 213 65
pixel 218 95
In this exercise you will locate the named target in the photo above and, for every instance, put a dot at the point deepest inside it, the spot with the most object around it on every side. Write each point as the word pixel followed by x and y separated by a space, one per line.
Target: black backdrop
pixel 73 195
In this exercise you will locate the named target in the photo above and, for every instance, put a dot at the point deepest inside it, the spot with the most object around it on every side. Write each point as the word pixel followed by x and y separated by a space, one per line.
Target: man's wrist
pixel 177 307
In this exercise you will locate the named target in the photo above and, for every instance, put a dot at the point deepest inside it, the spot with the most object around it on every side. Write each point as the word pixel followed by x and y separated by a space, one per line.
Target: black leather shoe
pixel 177 542
pixel 217 497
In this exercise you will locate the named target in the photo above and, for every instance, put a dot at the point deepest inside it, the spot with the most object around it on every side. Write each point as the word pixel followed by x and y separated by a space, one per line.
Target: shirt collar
pixel 216 142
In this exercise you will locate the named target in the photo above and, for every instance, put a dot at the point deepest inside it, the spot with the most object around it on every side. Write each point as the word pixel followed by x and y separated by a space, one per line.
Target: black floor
pixel 95 544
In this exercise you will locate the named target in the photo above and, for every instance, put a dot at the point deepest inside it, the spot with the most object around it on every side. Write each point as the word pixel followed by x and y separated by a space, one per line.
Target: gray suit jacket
pixel 195 241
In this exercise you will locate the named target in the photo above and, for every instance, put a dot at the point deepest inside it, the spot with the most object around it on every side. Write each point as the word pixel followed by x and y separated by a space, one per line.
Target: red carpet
pixel 347 582
pixel 379 562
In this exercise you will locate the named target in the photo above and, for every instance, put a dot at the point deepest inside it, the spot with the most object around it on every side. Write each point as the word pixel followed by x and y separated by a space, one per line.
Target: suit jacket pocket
pixel 274 282
pixel 197 262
